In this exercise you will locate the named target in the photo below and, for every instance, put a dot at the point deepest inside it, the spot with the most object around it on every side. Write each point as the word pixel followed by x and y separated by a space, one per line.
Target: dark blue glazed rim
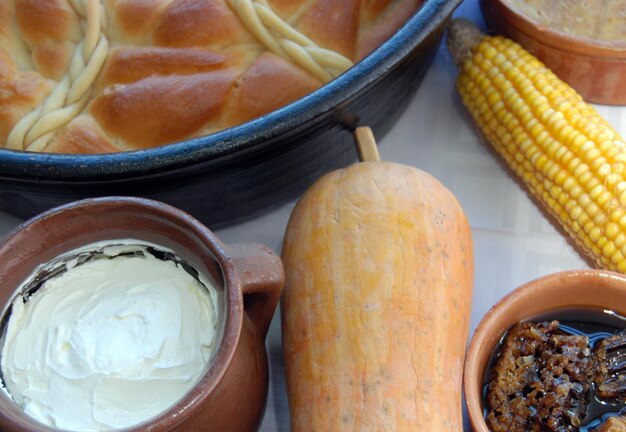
pixel 47 166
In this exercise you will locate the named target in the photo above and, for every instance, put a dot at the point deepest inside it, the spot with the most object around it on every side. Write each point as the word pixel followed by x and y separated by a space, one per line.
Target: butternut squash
pixel 376 306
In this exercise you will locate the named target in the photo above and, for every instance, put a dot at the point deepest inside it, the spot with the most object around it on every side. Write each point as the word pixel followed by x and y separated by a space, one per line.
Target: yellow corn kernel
pixel 568 156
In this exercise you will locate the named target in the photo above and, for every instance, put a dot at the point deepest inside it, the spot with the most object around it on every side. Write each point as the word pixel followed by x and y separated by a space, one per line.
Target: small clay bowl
pixel 552 294
pixel 231 394
pixel 596 69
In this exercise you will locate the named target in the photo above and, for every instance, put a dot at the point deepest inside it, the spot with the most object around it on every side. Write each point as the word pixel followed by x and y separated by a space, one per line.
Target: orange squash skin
pixel 376 306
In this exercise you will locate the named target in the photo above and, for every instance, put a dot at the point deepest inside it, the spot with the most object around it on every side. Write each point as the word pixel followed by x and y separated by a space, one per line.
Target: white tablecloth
pixel 514 242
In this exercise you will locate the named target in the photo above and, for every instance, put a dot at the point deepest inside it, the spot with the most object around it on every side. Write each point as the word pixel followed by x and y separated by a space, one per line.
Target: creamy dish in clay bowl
pixel 108 336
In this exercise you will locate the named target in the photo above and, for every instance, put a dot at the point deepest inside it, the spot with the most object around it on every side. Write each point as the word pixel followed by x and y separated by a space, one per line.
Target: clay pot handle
pixel 262 278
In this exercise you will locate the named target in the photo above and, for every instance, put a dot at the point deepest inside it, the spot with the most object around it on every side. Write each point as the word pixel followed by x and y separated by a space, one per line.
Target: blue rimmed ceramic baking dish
pixel 236 173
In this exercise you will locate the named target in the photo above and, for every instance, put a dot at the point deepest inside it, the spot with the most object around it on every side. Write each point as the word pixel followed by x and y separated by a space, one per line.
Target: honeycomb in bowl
pixel 541 380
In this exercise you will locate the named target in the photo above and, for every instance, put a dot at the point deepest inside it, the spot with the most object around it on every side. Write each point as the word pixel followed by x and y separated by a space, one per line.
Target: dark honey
pixel 596 324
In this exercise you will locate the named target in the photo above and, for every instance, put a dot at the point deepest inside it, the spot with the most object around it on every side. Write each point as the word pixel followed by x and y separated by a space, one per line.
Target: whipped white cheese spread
pixel 110 342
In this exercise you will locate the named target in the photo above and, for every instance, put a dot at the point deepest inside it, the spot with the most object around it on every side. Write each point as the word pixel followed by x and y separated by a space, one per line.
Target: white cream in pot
pixel 111 342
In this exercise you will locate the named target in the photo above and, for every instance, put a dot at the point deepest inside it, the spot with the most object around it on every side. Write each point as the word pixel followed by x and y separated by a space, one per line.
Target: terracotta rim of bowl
pixel 512 308
pixel 615 51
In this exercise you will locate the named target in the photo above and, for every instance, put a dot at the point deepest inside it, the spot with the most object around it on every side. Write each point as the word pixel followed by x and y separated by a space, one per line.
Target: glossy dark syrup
pixel 596 324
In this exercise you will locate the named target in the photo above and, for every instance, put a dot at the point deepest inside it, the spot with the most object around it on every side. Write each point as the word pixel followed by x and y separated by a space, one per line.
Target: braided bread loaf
pixel 98 76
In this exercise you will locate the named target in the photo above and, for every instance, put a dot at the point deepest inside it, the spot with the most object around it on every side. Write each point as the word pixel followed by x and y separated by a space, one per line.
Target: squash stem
pixel 366 144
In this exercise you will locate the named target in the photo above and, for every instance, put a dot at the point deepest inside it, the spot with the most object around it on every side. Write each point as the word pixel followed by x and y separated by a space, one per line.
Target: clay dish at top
pixel 586 50
pixel 573 290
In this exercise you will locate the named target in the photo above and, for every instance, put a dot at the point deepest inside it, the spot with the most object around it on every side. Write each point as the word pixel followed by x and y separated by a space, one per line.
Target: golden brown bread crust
pixel 135 112
pixel 338 31
pixel 129 64
pixel 89 76
pixel 384 28
pixel 19 92
pixel 261 88
pixel 82 135
pixel 199 23
pixel 50 30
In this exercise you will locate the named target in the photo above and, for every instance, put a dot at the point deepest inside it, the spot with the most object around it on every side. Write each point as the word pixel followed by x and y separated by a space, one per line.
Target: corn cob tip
pixel 462 37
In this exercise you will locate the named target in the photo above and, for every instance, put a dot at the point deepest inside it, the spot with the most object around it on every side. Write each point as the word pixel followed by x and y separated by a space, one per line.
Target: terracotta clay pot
pixel 595 289
pixel 595 69
pixel 231 394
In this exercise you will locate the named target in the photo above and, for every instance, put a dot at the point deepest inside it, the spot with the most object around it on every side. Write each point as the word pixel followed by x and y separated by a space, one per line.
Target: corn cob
pixel 568 156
